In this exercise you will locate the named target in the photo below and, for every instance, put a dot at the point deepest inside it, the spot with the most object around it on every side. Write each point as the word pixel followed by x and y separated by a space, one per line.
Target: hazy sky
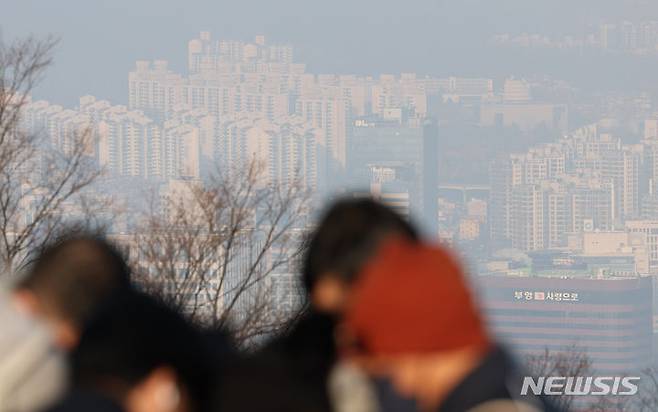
pixel 100 40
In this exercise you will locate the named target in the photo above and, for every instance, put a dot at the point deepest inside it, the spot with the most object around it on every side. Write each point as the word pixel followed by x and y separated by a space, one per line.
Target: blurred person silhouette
pixel 68 281
pixel 261 384
pixel 32 371
pixel 411 324
pixel 347 236
pixel 142 356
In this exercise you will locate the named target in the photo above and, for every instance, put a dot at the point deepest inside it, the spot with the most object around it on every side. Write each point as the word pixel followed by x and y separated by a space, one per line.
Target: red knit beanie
pixel 413 298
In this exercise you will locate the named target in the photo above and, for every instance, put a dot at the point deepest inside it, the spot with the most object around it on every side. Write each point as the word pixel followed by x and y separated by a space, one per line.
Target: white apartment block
pixel 326 110
pixel 286 148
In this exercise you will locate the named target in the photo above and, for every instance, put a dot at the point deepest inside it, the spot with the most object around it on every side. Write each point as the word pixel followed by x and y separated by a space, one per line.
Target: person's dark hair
pixel 347 236
pixel 75 274
pixel 132 336
pixel 262 384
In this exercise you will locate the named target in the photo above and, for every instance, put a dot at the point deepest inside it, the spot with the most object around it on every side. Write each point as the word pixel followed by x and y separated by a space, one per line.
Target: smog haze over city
pixel 101 40
pixel 522 134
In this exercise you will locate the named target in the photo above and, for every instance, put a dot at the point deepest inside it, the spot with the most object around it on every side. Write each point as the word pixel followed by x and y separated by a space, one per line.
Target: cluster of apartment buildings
pixel 186 145
pixel 638 37
pixel 587 183
pixel 580 222
pixel 583 210
pixel 241 101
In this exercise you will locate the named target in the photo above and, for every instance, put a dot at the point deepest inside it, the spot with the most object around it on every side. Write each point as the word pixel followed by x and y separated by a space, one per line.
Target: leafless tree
pixel 645 400
pixel 38 179
pixel 571 361
pixel 214 250
pixel 647 396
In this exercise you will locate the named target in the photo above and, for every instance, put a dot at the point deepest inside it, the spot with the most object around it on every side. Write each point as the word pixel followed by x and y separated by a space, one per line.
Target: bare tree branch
pixel 216 250
pixel 40 182
pixel 571 361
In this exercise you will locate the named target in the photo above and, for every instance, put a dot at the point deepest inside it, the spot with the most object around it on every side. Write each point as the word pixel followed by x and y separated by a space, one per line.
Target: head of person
pixel 144 356
pixel 68 281
pixel 411 321
pixel 347 236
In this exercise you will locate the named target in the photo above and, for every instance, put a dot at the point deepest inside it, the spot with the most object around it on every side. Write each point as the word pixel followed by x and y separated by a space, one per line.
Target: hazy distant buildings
pixel 230 80
pixel 628 36
pixel 286 148
pixel 430 177
pixel 517 200
pixel 477 209
pixel 132 144
pixel 207 55
pixel 327 111
pixel 556 215
pixel 623 167
pixel 127 142
pixel 469 228
pixel 604 156
pixel 649 207
pixel 504 174
pixel 648 229
pixel 525 116
pixel 609 320
pixel 181 150
pixel 527 217
pixel 397 152
pixel 637 37
pixel 516 91
pixel 579 214
pixel 587 182
pixel 292 152
pixel 461 90
pixel 395 194
pixel 159 92
pixel 651 129
pixel 608 252
pixel 650 164
pixel 515 107
pixel 393 93
pixel 591 205
pixel 55 125
pixel 154 89
pixel 377 141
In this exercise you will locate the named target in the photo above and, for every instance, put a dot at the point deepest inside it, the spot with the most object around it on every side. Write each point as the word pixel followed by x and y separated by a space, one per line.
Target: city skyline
pixel 429 25
pixel 543 178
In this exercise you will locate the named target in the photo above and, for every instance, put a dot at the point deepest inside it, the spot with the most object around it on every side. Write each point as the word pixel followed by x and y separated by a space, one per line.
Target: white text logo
pixel 580 385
